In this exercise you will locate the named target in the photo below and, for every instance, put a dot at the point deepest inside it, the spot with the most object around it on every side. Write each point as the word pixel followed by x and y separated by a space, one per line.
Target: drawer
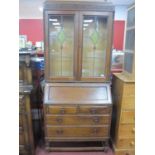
pixel 126 131
pixel 125 143
pixel 77 120
pixel 61 109
pixel 78 109
pixel 129 89
pixel 95 110
pixel 125 152
pixel 128 117
pixel 128 102
pixel 77 131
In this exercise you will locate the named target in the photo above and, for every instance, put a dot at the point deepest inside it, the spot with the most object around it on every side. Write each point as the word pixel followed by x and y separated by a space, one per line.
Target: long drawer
pixel 126 131
pixel 77 131
pixel 77 109
pixel 77 120
pixel 125 143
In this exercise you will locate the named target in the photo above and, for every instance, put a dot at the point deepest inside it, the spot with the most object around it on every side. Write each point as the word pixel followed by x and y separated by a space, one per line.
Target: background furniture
pixel 25 73
pixel 26 142
pixel 31 74
pixel 123 88
pixel 129 54
pixel 123 128
pixel 77 104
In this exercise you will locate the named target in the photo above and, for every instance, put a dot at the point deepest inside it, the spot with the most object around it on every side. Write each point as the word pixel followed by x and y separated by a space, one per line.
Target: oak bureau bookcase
pixel 77 96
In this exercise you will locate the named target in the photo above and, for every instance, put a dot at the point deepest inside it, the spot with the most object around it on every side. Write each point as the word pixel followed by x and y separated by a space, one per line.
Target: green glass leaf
pixel 61 37
pixel 94 37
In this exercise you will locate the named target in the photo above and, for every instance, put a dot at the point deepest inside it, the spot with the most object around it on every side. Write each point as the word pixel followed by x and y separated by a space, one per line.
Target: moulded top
pixel 78 5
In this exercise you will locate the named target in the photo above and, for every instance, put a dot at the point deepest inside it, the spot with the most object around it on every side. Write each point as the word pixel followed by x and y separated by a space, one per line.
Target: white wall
pixel 30 8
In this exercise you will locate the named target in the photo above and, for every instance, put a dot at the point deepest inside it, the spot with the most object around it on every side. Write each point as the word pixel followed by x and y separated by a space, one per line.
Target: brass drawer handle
pixel 93 111
pixel 132 143
pixel 59 132
pixel 62 111
pixel 59 120
pixel 96 119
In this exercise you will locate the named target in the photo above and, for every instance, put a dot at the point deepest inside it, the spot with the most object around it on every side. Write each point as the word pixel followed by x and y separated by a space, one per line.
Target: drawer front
pixel 127 117
pixel 78 109
pixel 126 131
pixel 94 110
pixel 61 110
pixel 128 102
pixel 125 152
pixel 129 88
pixel 78 131
pixel 125 143
pixel 77 120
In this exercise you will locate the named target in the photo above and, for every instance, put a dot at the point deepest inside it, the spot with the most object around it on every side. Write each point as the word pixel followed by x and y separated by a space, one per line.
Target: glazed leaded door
pixel 60 45
pixel 96 32
pixel 78 46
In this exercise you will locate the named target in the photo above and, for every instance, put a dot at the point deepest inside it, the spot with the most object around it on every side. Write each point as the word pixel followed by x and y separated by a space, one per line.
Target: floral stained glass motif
pixel 94 37
pixel 61 37
pixel 94 46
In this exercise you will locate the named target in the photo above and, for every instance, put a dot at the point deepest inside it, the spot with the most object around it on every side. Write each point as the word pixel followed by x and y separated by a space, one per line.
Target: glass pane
pixel 131 18
pixel 61 45
pixel 130 39
pixel 128 62
pixel 60 66
pixel 94 46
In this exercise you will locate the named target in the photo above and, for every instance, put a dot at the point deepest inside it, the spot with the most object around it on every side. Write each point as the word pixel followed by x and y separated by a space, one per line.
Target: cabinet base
pixel 78 146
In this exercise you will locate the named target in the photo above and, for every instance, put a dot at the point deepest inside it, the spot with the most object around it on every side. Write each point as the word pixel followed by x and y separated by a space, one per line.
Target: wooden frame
pixel 78 9
pixel 131 74
pixel 109 15
pixel 47 77
pixel 26 126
